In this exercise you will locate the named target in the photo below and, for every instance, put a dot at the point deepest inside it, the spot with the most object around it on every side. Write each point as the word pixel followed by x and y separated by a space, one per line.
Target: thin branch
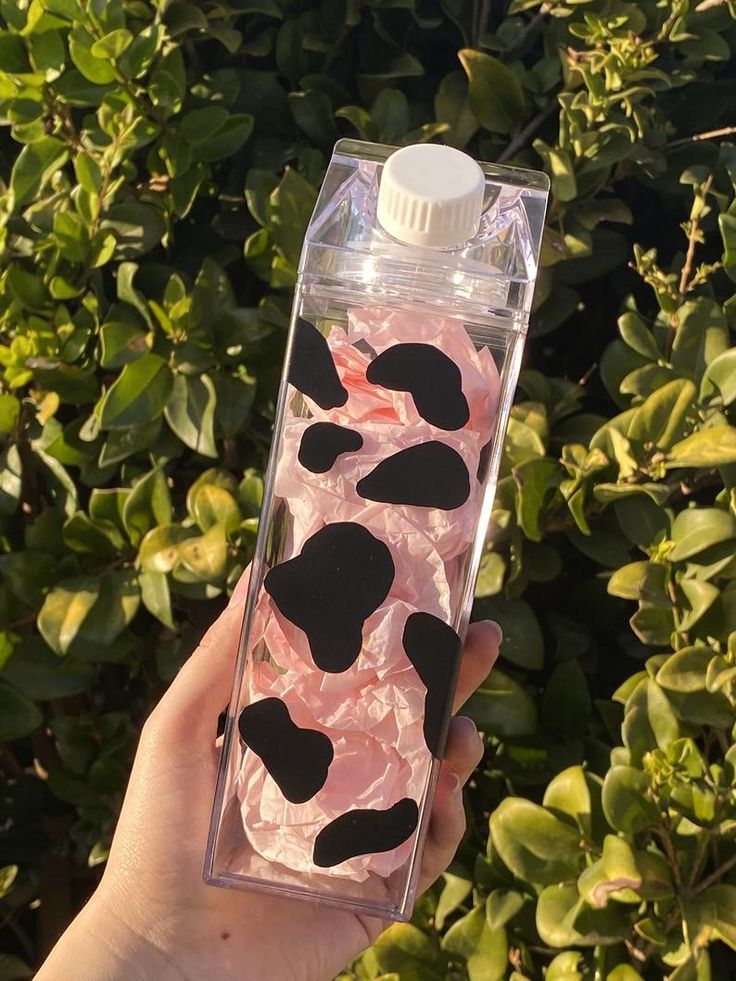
pixel 532 27
pixel 712 134
pixel 663 834
pixel 520 140
pixel 718 874
pixel 692 241
pixel 700 858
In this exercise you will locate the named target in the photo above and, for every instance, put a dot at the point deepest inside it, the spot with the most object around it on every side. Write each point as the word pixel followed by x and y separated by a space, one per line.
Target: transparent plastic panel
pixel 495 270
pixel 399 378
pixel 359 601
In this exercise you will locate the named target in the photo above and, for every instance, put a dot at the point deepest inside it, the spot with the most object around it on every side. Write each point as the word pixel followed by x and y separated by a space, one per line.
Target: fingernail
pixel 451 781
pixel 496 629
pixel 471 732
pixel 469 729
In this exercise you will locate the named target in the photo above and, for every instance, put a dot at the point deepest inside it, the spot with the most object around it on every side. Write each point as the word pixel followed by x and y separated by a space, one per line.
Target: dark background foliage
pixel 159 162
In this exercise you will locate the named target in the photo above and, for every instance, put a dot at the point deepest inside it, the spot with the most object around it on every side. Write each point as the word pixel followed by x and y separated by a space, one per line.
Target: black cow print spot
pixel 311 368
pixel 297 759
pixel 365 832
pixel 483 460
pixel 433 380
pixel 433 648
pixel 428 475
pixel 342 575
pixel 323 442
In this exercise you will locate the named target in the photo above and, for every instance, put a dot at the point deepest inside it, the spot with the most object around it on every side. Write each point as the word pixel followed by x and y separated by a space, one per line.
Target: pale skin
pixel 152 917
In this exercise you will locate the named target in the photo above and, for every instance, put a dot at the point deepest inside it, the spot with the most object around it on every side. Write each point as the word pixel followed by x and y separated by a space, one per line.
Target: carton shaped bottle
pixel 410 313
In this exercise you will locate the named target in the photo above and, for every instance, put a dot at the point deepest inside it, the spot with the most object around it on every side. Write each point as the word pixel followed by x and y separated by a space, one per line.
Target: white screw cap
pixel 431 195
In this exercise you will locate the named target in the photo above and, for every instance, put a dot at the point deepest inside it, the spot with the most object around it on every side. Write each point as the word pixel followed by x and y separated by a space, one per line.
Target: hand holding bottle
pixel 153 917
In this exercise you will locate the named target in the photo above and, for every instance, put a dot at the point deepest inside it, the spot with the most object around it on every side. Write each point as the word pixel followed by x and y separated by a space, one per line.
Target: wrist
pixel 100 943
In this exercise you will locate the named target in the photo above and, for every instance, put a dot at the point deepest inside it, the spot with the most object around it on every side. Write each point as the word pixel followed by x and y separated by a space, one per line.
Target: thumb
pixel 185 719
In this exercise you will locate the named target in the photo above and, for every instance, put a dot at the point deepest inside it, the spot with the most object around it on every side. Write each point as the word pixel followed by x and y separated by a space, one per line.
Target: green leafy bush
pixel 159 164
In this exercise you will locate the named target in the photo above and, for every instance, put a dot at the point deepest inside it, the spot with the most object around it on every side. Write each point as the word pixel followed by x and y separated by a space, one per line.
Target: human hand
pixel 152 915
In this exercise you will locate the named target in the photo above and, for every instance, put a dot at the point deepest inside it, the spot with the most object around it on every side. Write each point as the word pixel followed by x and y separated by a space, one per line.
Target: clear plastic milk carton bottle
pixel 410 314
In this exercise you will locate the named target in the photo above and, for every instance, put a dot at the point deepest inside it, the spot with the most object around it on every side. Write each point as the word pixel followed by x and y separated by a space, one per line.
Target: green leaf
pixel 107 504
pixel 685 671
pixel 490 575
pixel 577 793
pixel 484 949
pixel 19 716
pixel 641 520
pixel 8 875
pixel 190 411
pixel 206 556
pixel 312 112
pixel 11 474
pixel 159 550
pixel 662 419
pixel 727 225
pixel 458 885
pixel 137 227
pixel 719 378
pixel 566 706
pixel 702 334
pixel 229 137
pixel 700 597
pixel 494 93
pixel 28 574
pixel 250 493
pixel 42 676
pixel 87 612
pixel 141 53
pixel 601 546
pixel 34 167
pixel 614 873
pixel 502 906
pixel 535 845
pixel 215 476
pixel 96 69
pixel 451 106
pixel 390 113
pixel 156 597
pixel 625 804
pixel 122 343
pixel 212 505
pixel 9 412
pixel 291 208
pixel 653 624
pixel 112 45
pixel 138 395
pixel 562 173
pixel 711 447
pixel 147 505
pixel 537 481
pixel 695 968
pixel 563 920
pixel 566 967
pixel 407 950
pixel 502 707
pixel 723 896
pixel 637 335
pixel 522 642
pixel 627 582
pixel 696 529
pixel 86 535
